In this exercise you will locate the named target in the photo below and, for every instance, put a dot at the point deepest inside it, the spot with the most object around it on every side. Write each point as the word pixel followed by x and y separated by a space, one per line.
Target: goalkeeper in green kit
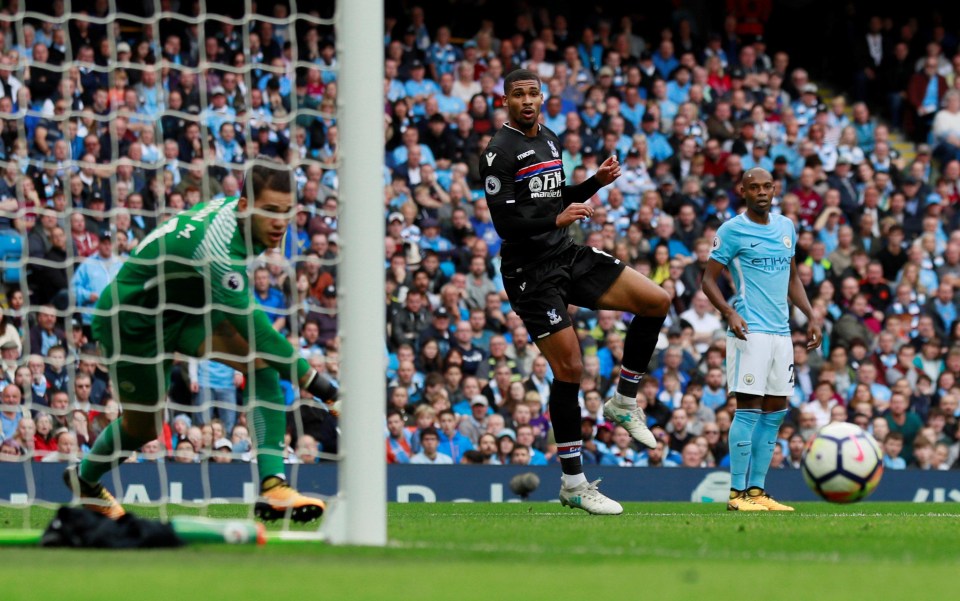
pixel 185 290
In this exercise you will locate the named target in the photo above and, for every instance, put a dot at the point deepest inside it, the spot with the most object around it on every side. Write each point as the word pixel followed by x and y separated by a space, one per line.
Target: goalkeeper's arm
pixel 277 352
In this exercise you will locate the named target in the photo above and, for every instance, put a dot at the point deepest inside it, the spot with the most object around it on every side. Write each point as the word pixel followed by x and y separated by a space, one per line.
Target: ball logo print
pixel 842 463
pixel 492 184
pixel 860 456
pixel 233 281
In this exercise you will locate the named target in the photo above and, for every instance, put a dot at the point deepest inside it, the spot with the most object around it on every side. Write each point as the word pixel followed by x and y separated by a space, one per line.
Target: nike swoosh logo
pixel 742 444
pixel 755 244
pixel 860 456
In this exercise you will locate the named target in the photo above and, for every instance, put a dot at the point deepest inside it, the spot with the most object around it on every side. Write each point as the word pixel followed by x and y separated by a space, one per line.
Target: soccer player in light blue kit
pixel 758 250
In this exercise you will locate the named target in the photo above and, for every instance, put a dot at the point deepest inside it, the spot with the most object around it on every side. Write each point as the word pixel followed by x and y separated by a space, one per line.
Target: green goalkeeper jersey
pixel 192 265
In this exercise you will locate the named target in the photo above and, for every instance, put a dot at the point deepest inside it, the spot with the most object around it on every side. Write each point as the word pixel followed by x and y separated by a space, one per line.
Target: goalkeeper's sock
pixel 272 482
pixel 105 454
pixel 269 421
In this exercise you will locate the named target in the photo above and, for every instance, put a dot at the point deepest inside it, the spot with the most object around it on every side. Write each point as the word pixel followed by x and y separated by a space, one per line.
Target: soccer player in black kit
pixel 544 270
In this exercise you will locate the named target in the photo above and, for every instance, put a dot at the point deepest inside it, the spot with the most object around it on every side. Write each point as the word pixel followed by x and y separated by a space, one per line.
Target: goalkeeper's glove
pixel 322 388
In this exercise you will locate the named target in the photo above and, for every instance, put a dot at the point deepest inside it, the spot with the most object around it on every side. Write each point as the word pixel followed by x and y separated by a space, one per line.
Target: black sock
pixel 565 417
pixel 642 335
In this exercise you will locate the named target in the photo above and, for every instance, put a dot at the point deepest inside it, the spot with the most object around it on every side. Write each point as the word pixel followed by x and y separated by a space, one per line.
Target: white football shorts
pixel 761 365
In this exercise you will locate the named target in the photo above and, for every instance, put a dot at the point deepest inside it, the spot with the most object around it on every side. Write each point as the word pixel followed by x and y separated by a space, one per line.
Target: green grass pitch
pixel 460 552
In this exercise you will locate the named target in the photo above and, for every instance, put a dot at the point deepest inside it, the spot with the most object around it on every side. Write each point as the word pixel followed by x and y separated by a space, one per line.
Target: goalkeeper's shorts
pixel 140 356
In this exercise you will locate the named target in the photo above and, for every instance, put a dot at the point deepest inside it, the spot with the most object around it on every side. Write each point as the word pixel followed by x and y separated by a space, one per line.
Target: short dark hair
pixel 429 431
pixel 518 75
pixel 473 456
pixel 893 436
pixel 263 176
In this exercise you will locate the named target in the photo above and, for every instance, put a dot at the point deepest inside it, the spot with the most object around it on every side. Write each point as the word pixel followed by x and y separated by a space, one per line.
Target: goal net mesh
pixel 115 122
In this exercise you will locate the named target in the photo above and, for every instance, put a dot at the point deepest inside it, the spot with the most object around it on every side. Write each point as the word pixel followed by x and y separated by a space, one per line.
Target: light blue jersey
pixel 758 257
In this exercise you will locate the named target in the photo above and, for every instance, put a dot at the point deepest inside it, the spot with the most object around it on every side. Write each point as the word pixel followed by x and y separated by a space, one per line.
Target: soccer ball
pixel 842 463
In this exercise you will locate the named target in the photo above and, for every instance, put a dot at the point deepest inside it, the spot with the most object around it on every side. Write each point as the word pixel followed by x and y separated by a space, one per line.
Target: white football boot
pixel 587 497
pixel 633 419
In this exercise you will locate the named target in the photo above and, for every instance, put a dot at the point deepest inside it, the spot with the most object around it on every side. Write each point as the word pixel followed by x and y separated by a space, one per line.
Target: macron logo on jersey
pixel 490 157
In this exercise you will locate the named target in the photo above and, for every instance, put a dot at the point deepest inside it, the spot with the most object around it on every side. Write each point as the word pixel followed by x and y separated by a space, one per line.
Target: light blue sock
pixel 764 439
pixel 740 441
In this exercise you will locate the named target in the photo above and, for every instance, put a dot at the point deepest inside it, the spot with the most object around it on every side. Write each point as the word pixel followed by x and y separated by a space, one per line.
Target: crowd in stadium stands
pixel 686 109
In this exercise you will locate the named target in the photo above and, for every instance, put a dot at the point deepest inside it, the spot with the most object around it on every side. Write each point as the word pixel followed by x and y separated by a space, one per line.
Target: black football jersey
pixel 523 181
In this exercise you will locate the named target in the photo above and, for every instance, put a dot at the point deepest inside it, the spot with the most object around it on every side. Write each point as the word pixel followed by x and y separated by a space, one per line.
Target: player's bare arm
pixel 737 324
pixel 798 296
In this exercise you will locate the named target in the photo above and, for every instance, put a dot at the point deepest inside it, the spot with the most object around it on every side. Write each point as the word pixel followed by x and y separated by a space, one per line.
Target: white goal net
pixel 115 118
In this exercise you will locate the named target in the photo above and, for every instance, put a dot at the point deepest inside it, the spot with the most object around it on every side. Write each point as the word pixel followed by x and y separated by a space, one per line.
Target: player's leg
pixel 538 298
pixel 744 376
pixel 562 351
pixel 264 394
pixel 773 409
pixel 140 387
pixel 649 303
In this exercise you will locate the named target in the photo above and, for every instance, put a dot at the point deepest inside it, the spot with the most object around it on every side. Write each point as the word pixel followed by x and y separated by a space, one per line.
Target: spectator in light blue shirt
pixel 864 126
pixel 218 112
pixel 215 385
pixel 286 86
pixel 396 89
pixel 664 58
pixel 658 147
pixel 269 298
pixel 632 108
pixel 411 137
pixel 12 411
pixel 429 453
pixel 944 306
pixel 442 55
pixel 678 89
pixel 892 447
pixel 418 88
pixel 668 108
pixel 449 105
pixel 554 117
pixel 94 274
pixel 591 52
pixel 620 453
pixel 227 148
pixel 757 157
pixel 150 93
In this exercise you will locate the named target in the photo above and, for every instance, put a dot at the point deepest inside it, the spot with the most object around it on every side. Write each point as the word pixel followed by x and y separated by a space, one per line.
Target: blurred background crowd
pixel 109 130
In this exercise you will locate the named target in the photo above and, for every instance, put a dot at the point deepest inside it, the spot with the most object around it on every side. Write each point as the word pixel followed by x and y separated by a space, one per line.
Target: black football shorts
pixel 541 292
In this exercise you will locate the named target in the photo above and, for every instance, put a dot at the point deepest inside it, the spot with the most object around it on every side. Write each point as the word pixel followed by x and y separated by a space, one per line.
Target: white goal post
pixel 359 514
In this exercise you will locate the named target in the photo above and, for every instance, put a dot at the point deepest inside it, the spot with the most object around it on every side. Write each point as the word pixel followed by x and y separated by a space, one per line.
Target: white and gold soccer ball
pixel 842 463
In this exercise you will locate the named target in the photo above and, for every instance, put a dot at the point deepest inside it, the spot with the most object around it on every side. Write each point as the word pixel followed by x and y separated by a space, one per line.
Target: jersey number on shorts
pixel 792 375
